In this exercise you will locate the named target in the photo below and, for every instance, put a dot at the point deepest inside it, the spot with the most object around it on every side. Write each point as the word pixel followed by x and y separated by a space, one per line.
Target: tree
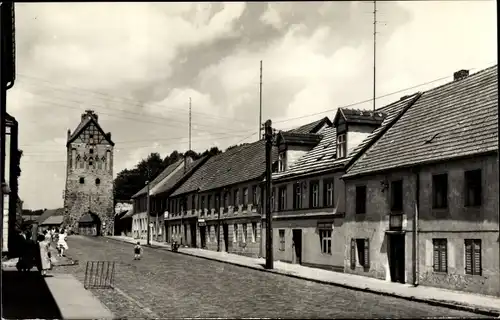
pixel 129 181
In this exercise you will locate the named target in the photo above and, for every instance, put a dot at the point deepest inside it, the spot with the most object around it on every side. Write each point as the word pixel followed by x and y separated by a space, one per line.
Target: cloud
pixel 137 64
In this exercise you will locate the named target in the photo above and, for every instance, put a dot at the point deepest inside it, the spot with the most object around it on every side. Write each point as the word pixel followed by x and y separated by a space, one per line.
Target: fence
pixel 99 275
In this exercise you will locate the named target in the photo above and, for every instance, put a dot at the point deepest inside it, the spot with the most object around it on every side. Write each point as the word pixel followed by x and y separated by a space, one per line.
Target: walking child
pixel 137 251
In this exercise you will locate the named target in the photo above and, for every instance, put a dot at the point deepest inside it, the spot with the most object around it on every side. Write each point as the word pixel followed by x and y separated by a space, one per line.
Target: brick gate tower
pixel 88 198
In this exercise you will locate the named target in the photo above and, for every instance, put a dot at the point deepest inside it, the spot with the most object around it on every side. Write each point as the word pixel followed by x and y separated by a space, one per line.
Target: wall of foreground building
pixel 456 224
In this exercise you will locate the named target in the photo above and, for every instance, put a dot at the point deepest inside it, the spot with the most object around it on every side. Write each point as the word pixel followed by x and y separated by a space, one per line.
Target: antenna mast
pixel 189 123
pixel 260 102
pixel 374 50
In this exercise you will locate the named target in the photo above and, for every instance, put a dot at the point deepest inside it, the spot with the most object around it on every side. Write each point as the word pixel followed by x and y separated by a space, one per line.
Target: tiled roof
pixel 53 220
pixel 168 170
pixel 48 213
pixel 128 214
pixel 300 138
pixel 457 119
pixel 323 156
pixel 86 119
pixel 361 116
pixel 238 164
pixel 169 183
pixel 312 127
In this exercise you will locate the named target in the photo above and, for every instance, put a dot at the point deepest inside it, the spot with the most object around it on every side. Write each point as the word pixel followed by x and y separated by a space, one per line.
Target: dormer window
pixel 341 145
pixel 282 161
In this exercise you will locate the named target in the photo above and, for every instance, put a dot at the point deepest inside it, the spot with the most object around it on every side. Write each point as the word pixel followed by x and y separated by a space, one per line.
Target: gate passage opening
pixel 89 225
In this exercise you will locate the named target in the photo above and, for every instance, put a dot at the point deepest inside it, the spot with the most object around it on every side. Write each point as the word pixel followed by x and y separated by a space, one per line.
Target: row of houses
pixel 407 193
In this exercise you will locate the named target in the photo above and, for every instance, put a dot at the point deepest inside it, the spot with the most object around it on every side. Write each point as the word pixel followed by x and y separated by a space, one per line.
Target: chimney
pixel 69 133
pixel 459 75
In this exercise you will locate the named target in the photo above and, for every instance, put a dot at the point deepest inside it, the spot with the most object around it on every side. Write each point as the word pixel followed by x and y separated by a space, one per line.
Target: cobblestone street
pixel 165 284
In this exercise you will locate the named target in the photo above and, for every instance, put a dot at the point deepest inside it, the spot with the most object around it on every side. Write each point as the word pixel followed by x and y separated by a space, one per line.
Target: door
pixel 297 246
pixel 203 236
pixel 397 257
pixel 193 234
pixel 184 238
pixel 225 231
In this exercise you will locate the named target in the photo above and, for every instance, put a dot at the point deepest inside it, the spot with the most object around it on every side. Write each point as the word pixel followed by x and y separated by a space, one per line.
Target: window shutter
pixel 468 257
pixel 367 253
pixel 436 256
pixel 444 256
pixel 477 256
pixel 353 253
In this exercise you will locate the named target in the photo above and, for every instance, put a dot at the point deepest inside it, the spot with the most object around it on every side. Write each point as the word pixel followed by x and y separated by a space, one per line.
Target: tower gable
pixel 89 131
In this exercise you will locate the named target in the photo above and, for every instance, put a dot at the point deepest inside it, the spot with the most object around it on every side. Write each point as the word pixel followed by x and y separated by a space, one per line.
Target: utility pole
pixel 268 132
pixel 260 102
pixel 148 241
pixel 374 50
pixel 189 123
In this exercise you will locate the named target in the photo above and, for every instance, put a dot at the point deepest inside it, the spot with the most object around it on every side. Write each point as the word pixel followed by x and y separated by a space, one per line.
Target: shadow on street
pixel 26 296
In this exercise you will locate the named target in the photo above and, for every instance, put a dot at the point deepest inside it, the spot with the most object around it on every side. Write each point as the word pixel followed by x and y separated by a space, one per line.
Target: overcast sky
pixel 137 64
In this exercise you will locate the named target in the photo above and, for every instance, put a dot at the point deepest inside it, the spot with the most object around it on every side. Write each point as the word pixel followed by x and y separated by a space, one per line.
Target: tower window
pixel 82 180
pixel 97 181
pixel 91 151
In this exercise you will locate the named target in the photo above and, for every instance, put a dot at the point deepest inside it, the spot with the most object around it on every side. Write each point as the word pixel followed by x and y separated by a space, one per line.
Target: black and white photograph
pixel 237 160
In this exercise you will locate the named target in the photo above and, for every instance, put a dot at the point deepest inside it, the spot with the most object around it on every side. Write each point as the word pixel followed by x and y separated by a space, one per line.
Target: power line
pixel 115 115
pixel 371 99
pixel 131 102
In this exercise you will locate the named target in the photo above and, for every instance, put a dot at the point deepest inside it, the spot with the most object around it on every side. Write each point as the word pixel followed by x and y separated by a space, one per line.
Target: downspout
pixel 415 229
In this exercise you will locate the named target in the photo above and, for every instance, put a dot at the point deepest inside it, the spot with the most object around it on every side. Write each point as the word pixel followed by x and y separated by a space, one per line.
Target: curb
pixel 433 302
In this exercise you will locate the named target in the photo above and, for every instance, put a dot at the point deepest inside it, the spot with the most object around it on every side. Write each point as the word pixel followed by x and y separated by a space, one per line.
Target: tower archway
pixel 89 224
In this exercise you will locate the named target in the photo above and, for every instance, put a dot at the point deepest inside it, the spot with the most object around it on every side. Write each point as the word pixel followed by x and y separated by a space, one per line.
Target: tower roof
pixel 86 118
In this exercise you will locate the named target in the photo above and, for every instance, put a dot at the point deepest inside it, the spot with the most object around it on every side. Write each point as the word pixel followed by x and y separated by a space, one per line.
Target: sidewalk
pixel 57 296
pixel 488 305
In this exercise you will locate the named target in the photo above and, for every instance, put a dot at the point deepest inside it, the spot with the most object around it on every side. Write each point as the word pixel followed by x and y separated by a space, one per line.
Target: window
pixel 314 194
pixel 91 151
pixel 236 198
pixel 209 233
pixel 440 191
pixel 273 198
pixel 202 203
pixel 226 201
pixel 473 190
pixel 254 231
pixel 297 195
pixel 361 199
pixel 91 162
pixel 282 161
pixel 341 145
pixel 193 202
pixel 325 237
pixel 209 203
pixel 97 181
pixel 362 248
pixel 328 193
pixel 217 202
pixel 235 233
pixel 245 197
pixel 282 198
pixel 82 180
pixel 282 239
pixel 397 195
pixel 440 255
pixel 254 195
pixel 473 256
pixel 244 226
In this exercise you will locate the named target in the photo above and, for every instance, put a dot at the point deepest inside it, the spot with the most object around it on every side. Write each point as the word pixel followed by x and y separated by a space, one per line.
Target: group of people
pixel 35 251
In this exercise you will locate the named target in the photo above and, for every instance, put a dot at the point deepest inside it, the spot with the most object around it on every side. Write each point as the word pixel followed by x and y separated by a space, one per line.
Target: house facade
pixel 140 206
pixel 217 208
pixel 310 195
pixel 422 200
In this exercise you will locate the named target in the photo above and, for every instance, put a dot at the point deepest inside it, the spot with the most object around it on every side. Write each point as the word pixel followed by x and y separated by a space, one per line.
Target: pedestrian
pixel 61 243
pixel 47 236
pixel 43 262
pixel 137 251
